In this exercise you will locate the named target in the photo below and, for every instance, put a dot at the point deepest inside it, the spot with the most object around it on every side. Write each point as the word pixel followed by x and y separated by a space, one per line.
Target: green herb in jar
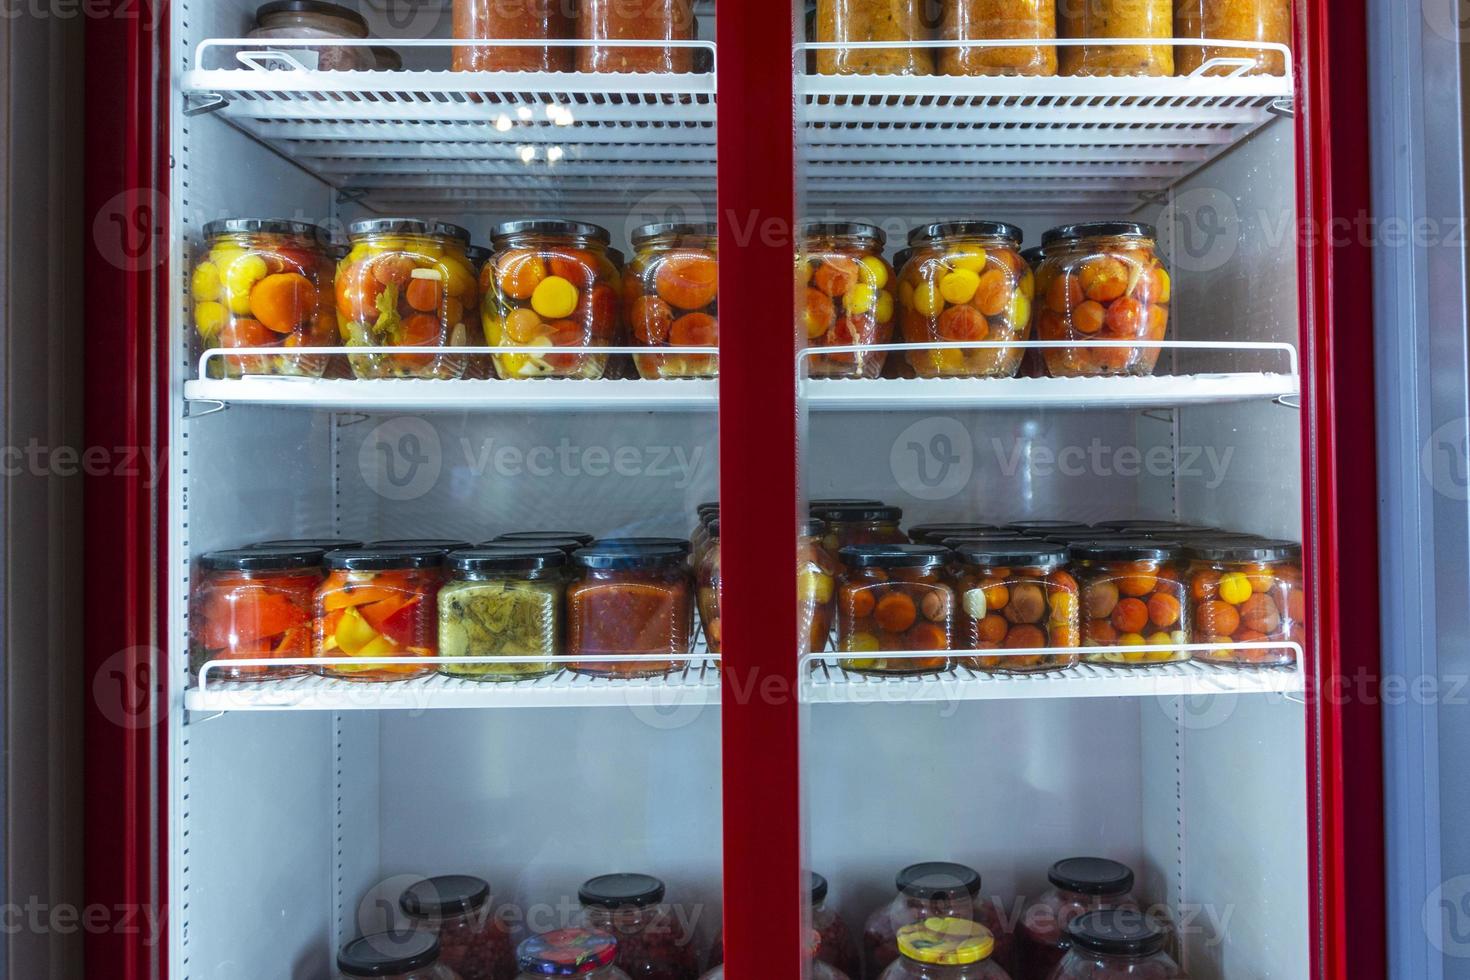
pixel 501 602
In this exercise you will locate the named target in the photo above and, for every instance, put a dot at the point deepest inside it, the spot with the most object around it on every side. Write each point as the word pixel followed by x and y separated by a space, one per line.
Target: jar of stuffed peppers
pixel 860 523
pixel 1104 19
pixel 512 20
pixel 707 585
pixel 406 283
pixel 671 288
pixel 473 942
pixel 1262 21
pixel 1117 943
pixel 254 603
pixel 399 955
pixel 1246 590
pixel 1102 280
pixel 816 585
pixel 502 602
pixel 1016 597
pixel 991 20
pixel 1079 885
pixel 847 296
pixel 553 286
pixel 1132 595
pixel 570 953
pixel 932 890
pixel 630 599
pixel 378 601
pixel 264 282
pixel 857 21
pixel 965 282
pixel 892 597
pixel 645 20
pixel 653 944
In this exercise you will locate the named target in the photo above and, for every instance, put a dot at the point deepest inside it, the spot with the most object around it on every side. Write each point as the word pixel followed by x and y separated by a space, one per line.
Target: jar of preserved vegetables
pixel 670 288
pixel 473 942
pixel 553 286
pixel 1114 944
pixel 570 953
pixel 254 603
pixel 653 942
pixel 393 956
pixel 992 20
pixel 645 20
pixel 858 21
pixel 502 602
pixel 931 890
pixel 965 282
pixel 1016 597
pixel 1262 21
pixel 378 602
pixel 512 20
pixel 406 283
pixel 629 600
pixel 1079 885
pixel 847 292
pixel 306 19
pixel 1102 281
pixel 1104 19
pixel 945 949
pixel 264 282
pixel 816 585
pixel 860 523
pixel 707 585
pixel 1246 590
pixel 893 597
pixel 1132 595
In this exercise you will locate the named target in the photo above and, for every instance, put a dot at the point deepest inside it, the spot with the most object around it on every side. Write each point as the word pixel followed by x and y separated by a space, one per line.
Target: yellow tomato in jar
pixel 970 258
pixel 875 272
pixel 554 298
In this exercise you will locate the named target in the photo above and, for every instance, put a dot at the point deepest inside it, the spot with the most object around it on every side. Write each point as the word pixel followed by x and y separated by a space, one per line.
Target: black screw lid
pixel 644 542
pixel 375 558
pixel 901 258
pixel 1098 229
pixel 444 895
pixel 658 229
pixel 858 514
pixel 1032 256
pixel 267 226
pixel 260 559
pixel 1008 537
pixel 1124 549
pixel 844 229
pixel 445 545
pixel 1151 523
pixel 818 887
pixel 581 537
pixel 524 559
pixel 811 528
pixel 565 545
pixel 936 533
pixel 603 555
pixel 1048 527
pixel 621 891
pixel 1091 876
pixel 556 227
pixel 893 555
pixel 325 544
pixel 1020 553
pixel 938 880
pixel 477 254
pixel 709 506
pixel 937 231
pixel 388 954
pixel 1242 549
pixel 1117 932
pixel 821 503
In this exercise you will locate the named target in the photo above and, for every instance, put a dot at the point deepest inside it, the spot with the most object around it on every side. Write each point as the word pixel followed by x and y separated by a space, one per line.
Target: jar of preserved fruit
pixel 1263 21
pixel 707 585
pixel 1102 281
pixel 670 288
pixel 473 942
pixel 646 20
pixel 990 20
pixel 264 282
pixel 847 292
pixel 965 282
pixel 1115 944
pixel 1079 885
pixel 835 955
pixel 928 891
pixel 1016 597
pixel 378 602
pixel 893 597
pixel 393 956
pixel 653 942
pixel 630 599
pixel 859 21
pixel 512 20
pixel 816 585
pixel 553 286
pixel 307 19
pixel 502 602
pixel 406 283
pixel 1104 19
pixel 945 949
pixel 254 603
pixel 570 953
pixel 859 523
pixel 937 533
pixel 1246 590
pixel 1132 595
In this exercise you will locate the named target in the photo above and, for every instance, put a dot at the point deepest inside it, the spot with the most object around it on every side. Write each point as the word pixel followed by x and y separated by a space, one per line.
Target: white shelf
pixel 927 394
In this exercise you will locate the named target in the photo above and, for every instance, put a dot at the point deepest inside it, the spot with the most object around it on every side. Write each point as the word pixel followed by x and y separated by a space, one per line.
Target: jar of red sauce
pixel 630 598
pixel 929 890
pixel 472 940
pixel 1079 885
pixel 654 943
pixel 254 603
pixel 393 956
pixel 1117 944
pixel 586 953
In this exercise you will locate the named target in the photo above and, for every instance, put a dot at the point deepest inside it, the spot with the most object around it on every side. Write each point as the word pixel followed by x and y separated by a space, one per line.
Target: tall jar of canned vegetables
pixel 846 296
pixel 857 21
pixel 406 283
pixel 264 282
pixel 1233 20
pixel 990 20
pixel 670 288
pixel 1105 20
pixel 551 285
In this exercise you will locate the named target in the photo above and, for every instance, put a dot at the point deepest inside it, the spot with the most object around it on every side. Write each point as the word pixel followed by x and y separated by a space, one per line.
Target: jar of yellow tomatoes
pixel 1132 595
pixel 846 292
pixel 1016 596
pixel 671 288
pixel 553 286
pixel 406 283
pixel 965 282
pixel 894 598
pixel 1247 591
pixel 1261 21
pixel 1104 20
pixel 264 282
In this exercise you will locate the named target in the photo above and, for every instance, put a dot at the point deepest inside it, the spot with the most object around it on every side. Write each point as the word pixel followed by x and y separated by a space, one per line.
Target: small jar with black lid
pixel 253 604
pixel 1079 885
pixel 378 601
pixel 654 942
pixel 473 941
pixel 630 599
pixel 860 524
pixel 1016 596
pixel 932 890
pixel 1132 596
pixel 1114 944
pixel 670 291
pixel 502 602
pixel 393 956
pixel 1246 590
pixel 894 598
pixel 575 952
pixel 846 291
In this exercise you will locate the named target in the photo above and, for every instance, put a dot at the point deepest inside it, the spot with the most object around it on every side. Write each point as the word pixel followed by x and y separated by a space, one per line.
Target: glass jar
pixel 1117 944
pixel 937 533
pixel 1103 19
pixel 860 523
pixel 473 942
pixel 1244 590
pixel 1033 365
pixel 653 944
pixel 1265 21
pixel 927 891
pixel 406 283
pixel 1132 594
pixel 306 19
pixel 857 21
pixel 1102 281
pixel 644 20
pixel 1016 597
pixel 965 282
pixel 386 59
pixel 989 20
pixel 500 602
pixel 945 949
pixel 512 20
pixel 378 602
pixel 570 953
pixel 1079 885
pixel 699 538
pixel 847 292
pixel 630 599
pixel 254 603
pixel 893 597
pixel 671 288
pixel 264 283
pixel 553 286
pixel 816 585
pixel 393 956
pixel 707 585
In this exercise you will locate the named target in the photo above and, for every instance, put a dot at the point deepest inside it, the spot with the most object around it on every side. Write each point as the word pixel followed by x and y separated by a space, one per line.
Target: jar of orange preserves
pixel 1247 591
pixel 993 20
pixel 1102 20
pixel 856 21
pixel 512 20
pixel 846 291
pixel 1262 21
pixel 891 598
pixel 378 601
pixel 671 289
pixel 635 20
pixel 1132 594
pixel 1016 596
pixel 254 603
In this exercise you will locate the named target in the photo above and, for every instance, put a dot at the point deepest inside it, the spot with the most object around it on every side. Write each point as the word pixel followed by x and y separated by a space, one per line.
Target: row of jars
pixel 855 22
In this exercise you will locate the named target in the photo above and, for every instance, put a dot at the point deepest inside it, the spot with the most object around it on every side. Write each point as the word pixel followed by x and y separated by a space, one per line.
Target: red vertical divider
pixel 758 492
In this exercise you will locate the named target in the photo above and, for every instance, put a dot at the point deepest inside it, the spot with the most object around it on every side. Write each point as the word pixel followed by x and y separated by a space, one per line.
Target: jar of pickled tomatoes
pixel 816 585
pixel 893 598
pixel 847 297
pixel 630 599
pixel 643 20
pixel 473 942
pixel 553 286
pixel 1016 597
pixel 1102 20
pixel 586 953
pixel 378 601
pixel 1247 590
pixel 965 283
pixel 859 523
pixel 707 585
pixel 1115 944
pixel 671 289
pixel 393 956
pixel 928 891
pixel 1132 595
pixel 1078 886
pixel 857 21
pixel 512 20
pixel 1261 21
pixel 406 283
pixel 264 282
pixel 993 20
pixel 1102 281
pixel 654 943
pixel 254 603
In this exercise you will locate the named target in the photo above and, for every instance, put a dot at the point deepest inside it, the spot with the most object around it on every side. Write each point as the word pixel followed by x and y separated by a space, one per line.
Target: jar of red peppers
pixel 630 599
pixel 894 598
pixel 1016 597
pixel 1116 944
pixel 264 282
pixel 707 586
pixel 816 585
pixel 393 956
pixel 1244 590
pixel 570 953
pixel 254 603
pixel 847 296
pixel 1132 595
pixel 1079 885
pixel 930 890
pixel 653 941
pixel 671 289
pixel 472 940
pixel 378 602
pixel 635 20
pixel 861 523
pixel 552 285
pixel 512 20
